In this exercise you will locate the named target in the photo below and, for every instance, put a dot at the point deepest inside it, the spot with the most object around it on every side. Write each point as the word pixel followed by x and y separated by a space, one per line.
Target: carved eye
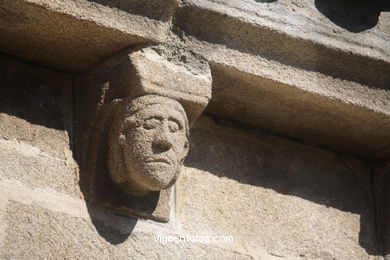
pixel 151 123
pixel 173 126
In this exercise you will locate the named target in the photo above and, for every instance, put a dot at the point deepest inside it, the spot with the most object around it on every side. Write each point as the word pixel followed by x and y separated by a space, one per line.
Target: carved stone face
pixel 153 144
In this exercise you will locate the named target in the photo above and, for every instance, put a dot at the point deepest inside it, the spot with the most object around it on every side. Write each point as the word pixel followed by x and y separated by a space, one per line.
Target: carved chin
pixel 156 176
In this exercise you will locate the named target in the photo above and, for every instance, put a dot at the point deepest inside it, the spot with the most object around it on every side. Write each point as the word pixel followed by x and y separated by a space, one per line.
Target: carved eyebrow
pixel 155 117
pixel 178 122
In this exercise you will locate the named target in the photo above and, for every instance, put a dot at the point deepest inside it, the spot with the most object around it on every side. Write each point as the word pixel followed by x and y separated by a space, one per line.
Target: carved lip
pixel 158 160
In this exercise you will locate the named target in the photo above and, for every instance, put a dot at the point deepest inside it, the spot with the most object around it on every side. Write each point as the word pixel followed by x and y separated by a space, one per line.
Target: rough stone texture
pixel 51 140
pixel 35 107
pixel 25 163
pixel 290 199
pixel 35 123
pixel 75 35
pixel 278 199
pixel 297 33
pixel 316 70
pixel 148 144
pixel 32 232
pixel 117 104
pixel 283 67
pixel 174 72
pixel 328 112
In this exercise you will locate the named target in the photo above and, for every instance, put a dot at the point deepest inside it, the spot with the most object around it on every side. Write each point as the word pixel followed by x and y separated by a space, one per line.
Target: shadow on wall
pixel 31 95
pixel 290 169
pixel 353 15
pixel 43 99
pixel 113 227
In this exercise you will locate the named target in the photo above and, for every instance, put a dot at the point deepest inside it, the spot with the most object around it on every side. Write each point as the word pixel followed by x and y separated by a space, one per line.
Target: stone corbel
pixel 135 111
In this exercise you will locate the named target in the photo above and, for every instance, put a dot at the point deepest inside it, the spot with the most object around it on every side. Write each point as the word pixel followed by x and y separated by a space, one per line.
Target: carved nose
pixel 160 146
pixel 161 142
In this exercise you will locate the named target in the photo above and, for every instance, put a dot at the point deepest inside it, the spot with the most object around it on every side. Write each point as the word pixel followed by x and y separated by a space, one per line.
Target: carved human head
pixel 148 144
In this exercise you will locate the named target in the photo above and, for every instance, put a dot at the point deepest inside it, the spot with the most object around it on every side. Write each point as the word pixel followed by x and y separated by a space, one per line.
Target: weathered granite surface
pixel 36 128
pixel 285 67
pixel 315 71
pixel 60 236
pixel 286 198
pixel 134 112
pixel 76 35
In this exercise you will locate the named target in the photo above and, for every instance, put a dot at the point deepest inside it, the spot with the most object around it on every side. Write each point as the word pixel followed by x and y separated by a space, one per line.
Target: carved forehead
pixel 153 104
pixel 158 110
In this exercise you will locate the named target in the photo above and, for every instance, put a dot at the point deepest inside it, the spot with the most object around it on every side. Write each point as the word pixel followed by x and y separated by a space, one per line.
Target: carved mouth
pixel 158 160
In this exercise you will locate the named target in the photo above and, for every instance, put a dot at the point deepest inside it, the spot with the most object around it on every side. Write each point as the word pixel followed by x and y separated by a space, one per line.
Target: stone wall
pixel 290 157
pixel 278 198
